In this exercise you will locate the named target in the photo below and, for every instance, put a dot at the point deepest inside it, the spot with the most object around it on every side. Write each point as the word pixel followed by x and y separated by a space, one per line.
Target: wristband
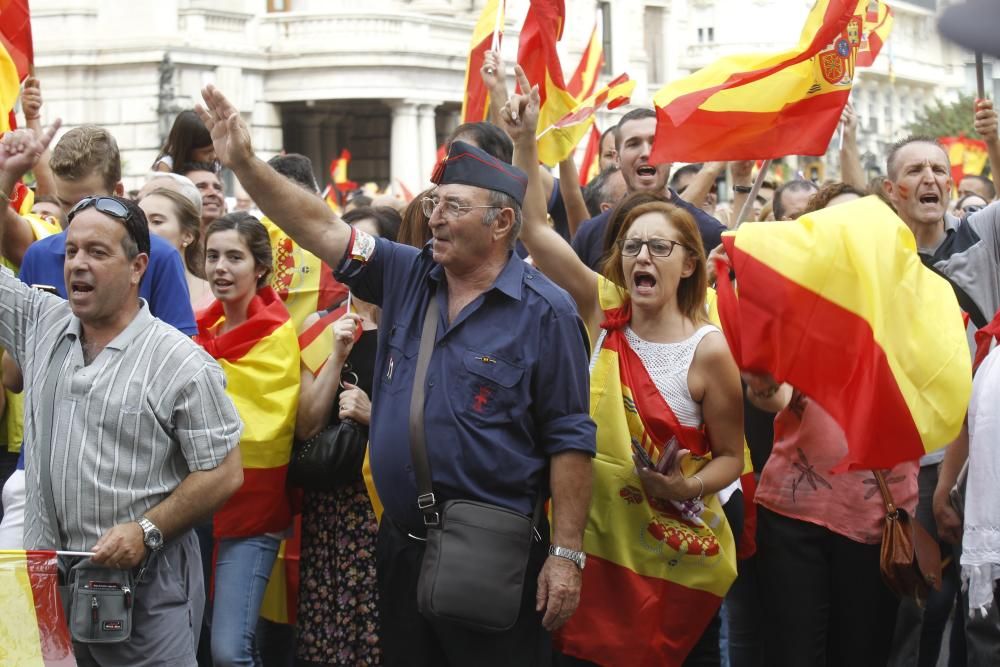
pixel 743 189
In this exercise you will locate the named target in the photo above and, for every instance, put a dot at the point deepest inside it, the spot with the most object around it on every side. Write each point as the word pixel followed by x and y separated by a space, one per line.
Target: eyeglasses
pixel 450 209
pixel 657 247
pixel 106 205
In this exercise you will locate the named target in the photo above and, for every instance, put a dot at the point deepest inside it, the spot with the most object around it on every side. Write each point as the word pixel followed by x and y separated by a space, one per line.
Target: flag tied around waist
pixel 764 106
pixel 839 305
pixel 33 630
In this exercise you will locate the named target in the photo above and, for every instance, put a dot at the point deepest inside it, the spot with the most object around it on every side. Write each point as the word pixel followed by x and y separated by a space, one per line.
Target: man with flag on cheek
pixel 505 408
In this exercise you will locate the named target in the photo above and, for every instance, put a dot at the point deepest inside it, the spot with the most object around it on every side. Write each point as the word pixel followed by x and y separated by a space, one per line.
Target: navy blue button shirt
pixel 507 385
pixel 589 240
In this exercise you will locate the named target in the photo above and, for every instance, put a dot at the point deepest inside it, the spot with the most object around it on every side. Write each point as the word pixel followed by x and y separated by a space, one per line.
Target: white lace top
pixel 668 364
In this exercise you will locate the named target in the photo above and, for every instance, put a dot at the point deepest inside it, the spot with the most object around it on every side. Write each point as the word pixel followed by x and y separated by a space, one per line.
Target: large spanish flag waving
pixel 758 106
pixel 33 630
pixel 584 80
pixel 261 361
pixel 476 103
pixel 536 53
pixel 839 305
pixel 16 55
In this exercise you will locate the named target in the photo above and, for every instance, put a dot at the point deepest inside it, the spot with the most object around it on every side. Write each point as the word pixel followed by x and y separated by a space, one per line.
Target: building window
pixel 605 13
pixel 654 38
pixel 701 35
pixel 279 5
pixel 711 35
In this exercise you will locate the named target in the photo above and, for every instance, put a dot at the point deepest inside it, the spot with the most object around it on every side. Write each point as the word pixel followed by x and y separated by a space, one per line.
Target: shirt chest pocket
pixel 491 386
pixel 400 362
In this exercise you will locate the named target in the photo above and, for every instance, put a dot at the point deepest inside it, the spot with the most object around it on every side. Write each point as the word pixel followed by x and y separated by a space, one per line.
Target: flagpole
pixel 748 204
pixel 501 10
pixel 85 554
pixel 980 79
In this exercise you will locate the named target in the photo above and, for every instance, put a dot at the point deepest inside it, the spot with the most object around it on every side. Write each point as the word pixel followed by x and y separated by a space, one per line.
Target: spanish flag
pixel 476 103
pixel 590 165
pixel 839 305
pixel 338 172
pixel 655 574
pixel 33 630
pixel 538 58
pixel 758 106
pixel 563 136
pixel 584 80
pixel 10 88
pixel 16 56
pixel 968 157
pixel 260 358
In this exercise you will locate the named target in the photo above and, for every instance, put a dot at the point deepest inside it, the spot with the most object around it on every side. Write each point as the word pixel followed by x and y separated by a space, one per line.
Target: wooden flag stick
pixel 501 9
pixel 748 204
pixel 980 79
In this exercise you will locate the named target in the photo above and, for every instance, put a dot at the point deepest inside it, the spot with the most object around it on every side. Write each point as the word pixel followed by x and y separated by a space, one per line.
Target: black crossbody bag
pixel 97 600
pixel 476 557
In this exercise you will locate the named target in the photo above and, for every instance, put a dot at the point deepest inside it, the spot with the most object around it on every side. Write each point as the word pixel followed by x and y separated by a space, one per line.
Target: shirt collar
pixel 142 319
pixel 509 281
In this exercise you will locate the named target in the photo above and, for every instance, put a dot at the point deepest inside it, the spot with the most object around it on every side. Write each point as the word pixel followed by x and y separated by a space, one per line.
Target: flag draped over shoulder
pixel 539 59
pixel 565 133
pixel 759 106
pixel 261 361
pixel 476 103
pixel 967 156
pixel 33 630
pixel 839 305
pixel 655 577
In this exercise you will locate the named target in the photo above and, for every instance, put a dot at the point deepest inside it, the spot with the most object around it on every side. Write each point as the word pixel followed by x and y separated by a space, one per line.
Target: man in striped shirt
pixel 142 439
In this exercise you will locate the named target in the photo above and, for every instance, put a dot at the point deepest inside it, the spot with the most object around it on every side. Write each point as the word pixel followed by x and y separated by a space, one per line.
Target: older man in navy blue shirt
pixel 506 407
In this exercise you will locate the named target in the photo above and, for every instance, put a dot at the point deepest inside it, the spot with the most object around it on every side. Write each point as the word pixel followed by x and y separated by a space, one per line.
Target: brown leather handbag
pixel 910 559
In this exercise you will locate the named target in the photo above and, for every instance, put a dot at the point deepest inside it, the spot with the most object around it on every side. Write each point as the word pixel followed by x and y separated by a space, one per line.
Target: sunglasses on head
pixel 107 205
pixel 972 208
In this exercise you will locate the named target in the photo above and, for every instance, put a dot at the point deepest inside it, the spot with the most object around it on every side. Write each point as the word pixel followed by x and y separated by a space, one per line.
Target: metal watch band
pixel 578 558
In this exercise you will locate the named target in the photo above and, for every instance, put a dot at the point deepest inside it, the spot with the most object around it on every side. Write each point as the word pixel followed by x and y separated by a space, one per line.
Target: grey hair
pixel 503 200
pixel 187 186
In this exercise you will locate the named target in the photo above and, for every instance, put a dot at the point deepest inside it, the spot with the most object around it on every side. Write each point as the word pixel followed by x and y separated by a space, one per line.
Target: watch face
pixel 154 539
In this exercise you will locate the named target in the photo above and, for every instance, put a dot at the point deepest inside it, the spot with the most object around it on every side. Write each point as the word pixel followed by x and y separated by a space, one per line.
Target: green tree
pixel 945 120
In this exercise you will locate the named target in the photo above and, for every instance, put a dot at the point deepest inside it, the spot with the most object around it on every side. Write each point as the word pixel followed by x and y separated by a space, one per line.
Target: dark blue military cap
pixel 469 165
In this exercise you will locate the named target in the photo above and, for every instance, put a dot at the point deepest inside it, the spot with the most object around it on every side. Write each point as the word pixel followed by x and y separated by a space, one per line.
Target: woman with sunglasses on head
pixel 247 329
pixel 666 398
pixel 337 621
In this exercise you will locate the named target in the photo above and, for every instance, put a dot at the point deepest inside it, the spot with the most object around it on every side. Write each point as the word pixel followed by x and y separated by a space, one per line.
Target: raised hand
pixel 519 116
pixel 986 120
pixel 31 98
pixel 849 119
pixel 230 133
pixel 493 73
pixel 21 149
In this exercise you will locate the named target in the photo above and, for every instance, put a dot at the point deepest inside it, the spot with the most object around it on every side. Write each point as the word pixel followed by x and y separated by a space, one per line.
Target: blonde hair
pixel 85 150
pixel 691 290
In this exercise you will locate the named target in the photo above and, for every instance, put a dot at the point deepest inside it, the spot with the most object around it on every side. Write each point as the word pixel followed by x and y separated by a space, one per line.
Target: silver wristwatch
pixel 578 557
pixel 151 535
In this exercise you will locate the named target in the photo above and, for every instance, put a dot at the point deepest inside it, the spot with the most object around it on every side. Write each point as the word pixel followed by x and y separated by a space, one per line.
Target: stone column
pixel 428 145
pixel 404 160
pixel 312 138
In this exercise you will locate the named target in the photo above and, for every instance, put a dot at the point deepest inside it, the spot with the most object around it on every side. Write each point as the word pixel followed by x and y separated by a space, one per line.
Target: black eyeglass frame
pixel 647 242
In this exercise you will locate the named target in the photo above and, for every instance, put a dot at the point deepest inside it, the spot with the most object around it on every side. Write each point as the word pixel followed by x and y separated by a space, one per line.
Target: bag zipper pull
pixel 128 596
pixel 93 616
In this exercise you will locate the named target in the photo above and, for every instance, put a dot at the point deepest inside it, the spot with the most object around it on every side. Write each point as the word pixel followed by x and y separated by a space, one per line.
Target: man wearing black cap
pixel 506 391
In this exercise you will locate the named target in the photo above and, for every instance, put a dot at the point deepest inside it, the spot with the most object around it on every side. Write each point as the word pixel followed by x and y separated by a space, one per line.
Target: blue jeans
pixel 242 569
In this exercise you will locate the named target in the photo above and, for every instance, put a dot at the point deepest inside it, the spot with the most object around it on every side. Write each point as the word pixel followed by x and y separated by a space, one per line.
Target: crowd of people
pixel 166 360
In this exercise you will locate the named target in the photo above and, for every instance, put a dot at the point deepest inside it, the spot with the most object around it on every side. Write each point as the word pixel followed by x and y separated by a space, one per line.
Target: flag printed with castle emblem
pixel 767 106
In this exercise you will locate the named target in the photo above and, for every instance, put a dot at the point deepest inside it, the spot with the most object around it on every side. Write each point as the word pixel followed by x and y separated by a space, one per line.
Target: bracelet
pixel 701 493
pixel 743 189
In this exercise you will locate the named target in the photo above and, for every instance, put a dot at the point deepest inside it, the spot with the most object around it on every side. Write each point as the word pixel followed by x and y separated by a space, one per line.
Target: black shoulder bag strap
pixel 418 446
pixel 43 431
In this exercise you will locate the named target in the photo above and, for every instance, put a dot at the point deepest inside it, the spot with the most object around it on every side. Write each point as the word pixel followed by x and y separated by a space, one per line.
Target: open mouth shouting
pixel 80 289
pixel 930 199
pixel 644 282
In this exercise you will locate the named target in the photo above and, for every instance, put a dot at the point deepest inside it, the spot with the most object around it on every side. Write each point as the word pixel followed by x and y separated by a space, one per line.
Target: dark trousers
pixel 410 640
pixel 824 600
pixel 746 616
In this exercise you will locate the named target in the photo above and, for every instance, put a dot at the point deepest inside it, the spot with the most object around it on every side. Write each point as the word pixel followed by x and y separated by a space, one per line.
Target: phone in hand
pixel 642 455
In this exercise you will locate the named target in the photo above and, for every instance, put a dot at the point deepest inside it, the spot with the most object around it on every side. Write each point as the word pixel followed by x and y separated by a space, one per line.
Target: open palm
pixel 230 134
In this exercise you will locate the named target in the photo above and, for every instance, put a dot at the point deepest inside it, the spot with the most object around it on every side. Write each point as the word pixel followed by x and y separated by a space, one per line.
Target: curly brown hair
pixel 827 193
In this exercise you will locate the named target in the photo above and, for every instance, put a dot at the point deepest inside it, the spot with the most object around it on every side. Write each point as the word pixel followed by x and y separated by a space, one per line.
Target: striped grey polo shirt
pixel 126 430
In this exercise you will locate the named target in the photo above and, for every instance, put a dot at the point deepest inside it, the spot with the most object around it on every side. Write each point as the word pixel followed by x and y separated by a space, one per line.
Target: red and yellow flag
pixel 584 80
pixel 338 172
pixel 562 137
pixel 16 56
pixel 758 106
pixel 839 305
pixel 260 358
pixel 476 103
pixel 33 630
pixel 968 157
pixel 330 197
pixel 538 58
pixel 590 165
